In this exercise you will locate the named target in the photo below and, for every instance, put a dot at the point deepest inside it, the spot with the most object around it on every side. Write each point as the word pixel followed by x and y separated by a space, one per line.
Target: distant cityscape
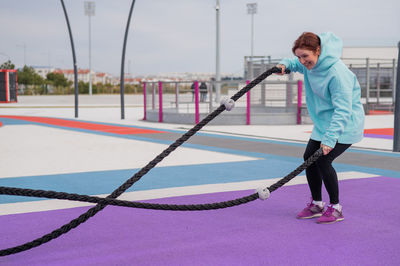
pixel 106 78
pixel 354 57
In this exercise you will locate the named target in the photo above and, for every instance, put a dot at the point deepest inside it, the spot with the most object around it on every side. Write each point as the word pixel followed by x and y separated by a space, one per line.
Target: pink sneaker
pixel 331 215
pixel 310 211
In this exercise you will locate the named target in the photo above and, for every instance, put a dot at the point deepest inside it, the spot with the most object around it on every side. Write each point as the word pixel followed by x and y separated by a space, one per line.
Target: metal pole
pixel 378 82
pixel 252 36
pixel 153 96
pixel 217 59
pixel 394 81
pixel 122 88
pixel 252 9
pixel 396 135
pixel 90 59
pixel 144 101
pixel 160 101
pixel 263 95
pixel 245 67
pixel 90 11
pixel 74 60
pixel 196 102
pixel 250 72
pixel 248 106
pixel 177 96
pixel 210 93
pixel 367 86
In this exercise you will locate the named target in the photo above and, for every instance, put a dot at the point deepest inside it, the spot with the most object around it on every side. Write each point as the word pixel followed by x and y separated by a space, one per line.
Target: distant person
pixel 333 101
pixel 203 91
pixel 212 80
pixel 213 89
pixel 192 88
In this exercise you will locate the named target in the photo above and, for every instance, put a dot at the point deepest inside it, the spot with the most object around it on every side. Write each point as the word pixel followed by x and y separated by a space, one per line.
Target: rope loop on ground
pixel 121 189
pixel 156 206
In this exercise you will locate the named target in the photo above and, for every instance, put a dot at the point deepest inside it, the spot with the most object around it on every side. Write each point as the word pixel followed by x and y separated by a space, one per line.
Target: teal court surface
pixel 45 148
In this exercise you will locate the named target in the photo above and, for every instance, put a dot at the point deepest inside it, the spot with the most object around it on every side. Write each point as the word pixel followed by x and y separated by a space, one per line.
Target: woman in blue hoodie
pixel 333 102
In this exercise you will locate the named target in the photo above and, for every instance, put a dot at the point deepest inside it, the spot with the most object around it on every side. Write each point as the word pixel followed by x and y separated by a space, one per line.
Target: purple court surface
pixel 257 233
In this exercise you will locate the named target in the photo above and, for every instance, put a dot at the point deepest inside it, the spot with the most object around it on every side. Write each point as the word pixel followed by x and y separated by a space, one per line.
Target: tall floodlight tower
pixel 217 59
pixel 89 11
pixel 251 10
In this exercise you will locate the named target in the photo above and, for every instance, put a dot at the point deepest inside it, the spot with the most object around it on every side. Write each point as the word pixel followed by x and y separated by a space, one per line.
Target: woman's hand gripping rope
pixel 230 103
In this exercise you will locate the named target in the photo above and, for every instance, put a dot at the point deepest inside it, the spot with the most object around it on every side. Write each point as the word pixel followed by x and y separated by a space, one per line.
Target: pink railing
pixel 196 101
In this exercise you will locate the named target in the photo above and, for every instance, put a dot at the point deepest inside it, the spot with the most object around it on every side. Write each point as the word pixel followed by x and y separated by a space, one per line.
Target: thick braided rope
pixel 116 193
pixel 124 203
pixel 156 206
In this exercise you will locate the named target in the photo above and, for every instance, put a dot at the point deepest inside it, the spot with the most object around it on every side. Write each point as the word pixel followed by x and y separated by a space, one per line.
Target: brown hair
pixel 307 40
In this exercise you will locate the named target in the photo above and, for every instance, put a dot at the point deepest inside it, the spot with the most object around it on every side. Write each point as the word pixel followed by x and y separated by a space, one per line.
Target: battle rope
pixel 121 189
pixel 156 206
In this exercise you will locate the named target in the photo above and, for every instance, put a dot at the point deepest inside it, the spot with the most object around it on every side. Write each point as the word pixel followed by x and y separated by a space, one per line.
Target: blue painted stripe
pixel 104 182
pixel 9 121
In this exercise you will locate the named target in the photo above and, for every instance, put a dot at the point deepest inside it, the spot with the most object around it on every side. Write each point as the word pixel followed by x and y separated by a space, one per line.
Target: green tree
pixel 28 76
pixel 7 65
pixel 57 79
pixel 83 87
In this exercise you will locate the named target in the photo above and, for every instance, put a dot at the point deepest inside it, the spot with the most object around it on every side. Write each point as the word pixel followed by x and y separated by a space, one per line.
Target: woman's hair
pixel 307 40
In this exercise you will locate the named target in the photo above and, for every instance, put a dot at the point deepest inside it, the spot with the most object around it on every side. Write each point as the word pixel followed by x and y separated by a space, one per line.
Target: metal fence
pixel 270 102
pixel 186 102
pixel 377 78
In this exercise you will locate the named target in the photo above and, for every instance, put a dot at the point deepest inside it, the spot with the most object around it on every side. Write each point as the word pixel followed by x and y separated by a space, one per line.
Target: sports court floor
pixel 46 148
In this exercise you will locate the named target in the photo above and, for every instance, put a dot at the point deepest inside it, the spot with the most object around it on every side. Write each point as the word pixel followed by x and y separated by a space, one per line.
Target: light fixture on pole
pixel 251 10
pixel 217 56
pixel 89 11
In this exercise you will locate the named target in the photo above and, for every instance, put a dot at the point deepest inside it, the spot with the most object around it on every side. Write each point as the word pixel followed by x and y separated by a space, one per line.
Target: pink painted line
pixel 196 100
pixel 120 130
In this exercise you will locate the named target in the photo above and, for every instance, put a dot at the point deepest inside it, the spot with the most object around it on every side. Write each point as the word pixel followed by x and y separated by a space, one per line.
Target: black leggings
pixel 322 170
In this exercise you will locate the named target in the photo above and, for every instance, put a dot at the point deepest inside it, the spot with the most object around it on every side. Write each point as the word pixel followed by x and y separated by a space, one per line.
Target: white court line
pixel 47 205
pixel 51 151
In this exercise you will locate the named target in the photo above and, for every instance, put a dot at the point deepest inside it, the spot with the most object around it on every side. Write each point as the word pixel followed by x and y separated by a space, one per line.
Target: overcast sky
pixel 180 35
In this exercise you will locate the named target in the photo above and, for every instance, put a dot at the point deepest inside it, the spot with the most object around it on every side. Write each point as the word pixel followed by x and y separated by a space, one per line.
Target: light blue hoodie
pixel 332 95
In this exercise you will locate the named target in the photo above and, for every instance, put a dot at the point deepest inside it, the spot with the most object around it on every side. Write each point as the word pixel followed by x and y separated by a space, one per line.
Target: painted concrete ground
pixel 95 158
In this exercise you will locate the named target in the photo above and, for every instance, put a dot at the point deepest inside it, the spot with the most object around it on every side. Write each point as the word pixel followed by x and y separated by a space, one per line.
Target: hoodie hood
pixel 331 51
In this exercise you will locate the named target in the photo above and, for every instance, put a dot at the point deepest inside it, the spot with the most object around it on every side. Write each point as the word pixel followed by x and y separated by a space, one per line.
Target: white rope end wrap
pixel 229 103
pixel 263 193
